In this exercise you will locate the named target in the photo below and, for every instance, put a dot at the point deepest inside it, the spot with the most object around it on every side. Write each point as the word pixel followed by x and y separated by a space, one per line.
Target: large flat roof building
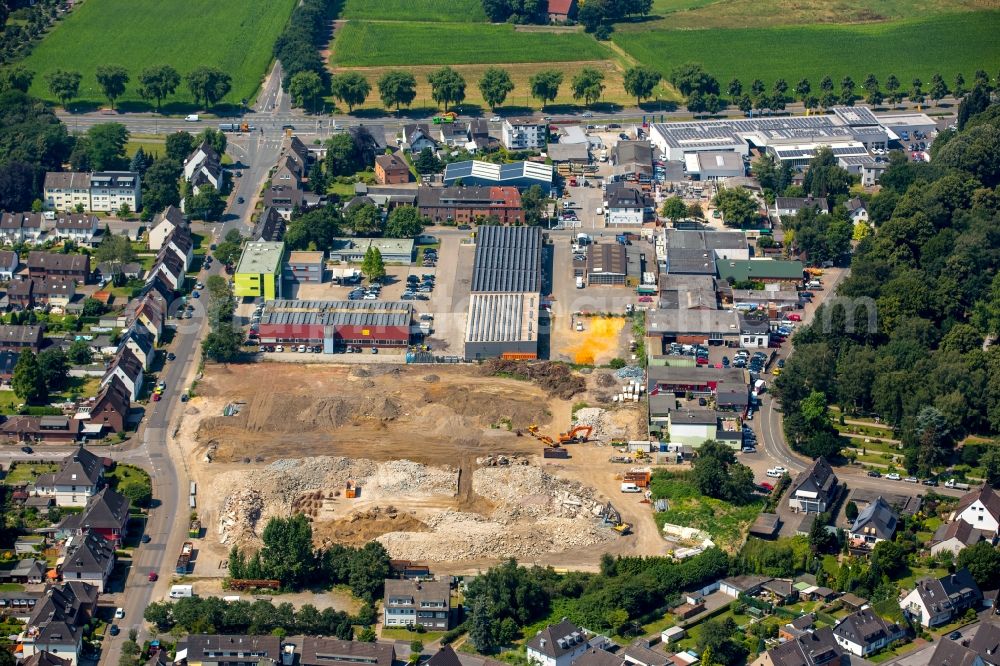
pixel 337 324
pixel 506 293
pixel 521 175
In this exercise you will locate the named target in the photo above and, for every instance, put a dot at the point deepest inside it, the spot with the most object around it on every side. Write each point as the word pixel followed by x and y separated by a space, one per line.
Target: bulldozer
pixel 578 434
pixel 611 517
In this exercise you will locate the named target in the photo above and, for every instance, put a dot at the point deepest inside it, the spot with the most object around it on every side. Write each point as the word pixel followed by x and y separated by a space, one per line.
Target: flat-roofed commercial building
pixel 258 273
pixel 337 324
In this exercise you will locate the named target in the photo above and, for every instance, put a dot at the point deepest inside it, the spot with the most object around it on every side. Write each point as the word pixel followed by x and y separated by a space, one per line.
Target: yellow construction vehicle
pixel 611 517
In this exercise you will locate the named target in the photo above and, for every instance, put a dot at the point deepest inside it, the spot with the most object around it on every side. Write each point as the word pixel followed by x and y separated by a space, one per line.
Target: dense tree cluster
pixel 717 474
pixel 32 141
pixel 35 377
pixel 213 615
pixel 225 338
pixel 288 555
pixel 905 338
pixel 298 46
pixel 508 597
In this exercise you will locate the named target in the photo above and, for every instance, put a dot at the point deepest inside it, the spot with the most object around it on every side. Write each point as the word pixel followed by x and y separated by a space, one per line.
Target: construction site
pixel 459 466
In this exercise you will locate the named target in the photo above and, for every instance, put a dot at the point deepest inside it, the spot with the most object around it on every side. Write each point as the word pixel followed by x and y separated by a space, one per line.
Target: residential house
pixel 8 361
pixel 982 650
pixel 639 653
pixel 626 206
pixel 285 199
pixel 227 650
pixel 110 190
pixel 142 342
pixel 80 228
pixel 955 537
pixel 814 648
pixel 20 228
pixel 20 337
pixel 170 267
pixel 288 172
pixel 27 571
pixel 182 244
pixel 478 131
pixel 754 333
pixel 51 429
pixel 452 135
pixel 89 559
pixel 814 489
pixel 270 226
pixel 18 604
pixel 128 368
pixel 391 169
pixel 560 11
pixel 599 657
pixel 321 651
pixel 523 134
pixel 105 516
pixel 110 408
pixel 857 210
pixel 981 509
pixel 56 292
pixel 863 633
pixel 21 293
pixel 58 620
pixel 53 264
pixel 106 271
pixel 416 137
pixel 66 191
pixel 203 166
pixel 164 224
pixel 469 204
pixel 877 522
pixel 557 644
pixel 788 206
pixel 935 601
pixel 9 263
pixel 413 602
pixel 150 313
pixel 780 591
pixel 44 658
pixel 78 478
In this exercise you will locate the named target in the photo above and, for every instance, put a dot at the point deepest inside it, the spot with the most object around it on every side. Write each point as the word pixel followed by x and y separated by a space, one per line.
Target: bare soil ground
pixel 418 440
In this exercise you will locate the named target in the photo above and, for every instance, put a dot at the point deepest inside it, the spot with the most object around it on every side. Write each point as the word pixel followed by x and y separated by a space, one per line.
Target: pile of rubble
pixel 535 513
pixel 598 419
pixel 500 461
pixel 630 372
pixel 557 379
pixel 251 498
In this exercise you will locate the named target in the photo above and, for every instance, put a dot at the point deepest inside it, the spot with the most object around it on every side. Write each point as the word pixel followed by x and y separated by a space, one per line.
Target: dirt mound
pixel 605 379
pixel 557 379
pixel 361 527
pixel 489 407
pixel 432 379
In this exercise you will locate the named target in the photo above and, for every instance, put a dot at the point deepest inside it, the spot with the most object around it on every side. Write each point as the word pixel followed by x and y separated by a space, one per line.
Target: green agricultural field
pixel 235 35
pixel 913 48
pixel 371 44
pixel 415 10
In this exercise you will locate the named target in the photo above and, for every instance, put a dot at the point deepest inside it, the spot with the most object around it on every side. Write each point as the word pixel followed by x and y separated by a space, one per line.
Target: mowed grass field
pixel 519 74
pixel 236 36
pixel 945 44
pixel 452 11
pixel 368 44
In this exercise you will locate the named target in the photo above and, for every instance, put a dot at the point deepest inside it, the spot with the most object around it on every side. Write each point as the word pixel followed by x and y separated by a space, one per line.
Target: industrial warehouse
pixel 337 325
pixel 506 294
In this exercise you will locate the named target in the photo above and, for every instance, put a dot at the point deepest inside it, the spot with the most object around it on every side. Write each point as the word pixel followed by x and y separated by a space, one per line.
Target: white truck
pixel 579 283
pixel 952 483
pixel 631 488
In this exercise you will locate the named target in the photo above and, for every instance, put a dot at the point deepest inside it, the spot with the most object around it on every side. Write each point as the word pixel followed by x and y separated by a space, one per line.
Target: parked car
pixel 153 577
pixel 893 477
pixel 874 474
pixel 27 449
pixel 119 613
pixel 114 630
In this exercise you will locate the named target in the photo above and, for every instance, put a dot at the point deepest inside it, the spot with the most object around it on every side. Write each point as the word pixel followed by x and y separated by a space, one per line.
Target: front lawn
pixel 22 472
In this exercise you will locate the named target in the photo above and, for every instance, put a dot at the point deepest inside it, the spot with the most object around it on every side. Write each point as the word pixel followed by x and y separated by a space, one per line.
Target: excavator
pixel 579 434
pixel 611 517
pixel 544 439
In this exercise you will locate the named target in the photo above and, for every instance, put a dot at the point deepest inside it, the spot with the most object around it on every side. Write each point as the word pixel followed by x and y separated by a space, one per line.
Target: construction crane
pixel 611 517
pixel 577 434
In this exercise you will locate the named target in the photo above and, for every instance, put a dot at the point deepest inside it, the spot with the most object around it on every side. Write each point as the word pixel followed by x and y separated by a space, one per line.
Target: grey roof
pixel 25 334
pixel 171 214
pixel 818 478
pixel 337 313
pixel 694 417
pixel 232 649
pixel 556 640
pixel 105 510
pixel 865 627
pixel 810 649
pixel 692 322
pixel 270 226
pixel 625 197
pixel 958 529
pixel 502 317
pixel 114 179
pixel 639 653
pixel 508 259
pixel 80 466
pixel 948 593
pixel 986 642
pixel 754 326
pixel 667 374
pixel 90 553
pixel 634 156
pixel 321 651
pixel 76 221
pixel 45 658
pixel 60 615
pixel 68 180
pixel 798 203
pixel 412 592
pixel 878 519
pixel 706 240
pixel 690 261
pixel 568 152
pixel 596 657
pixel 56 261
pixel 8 361
pixel 951 653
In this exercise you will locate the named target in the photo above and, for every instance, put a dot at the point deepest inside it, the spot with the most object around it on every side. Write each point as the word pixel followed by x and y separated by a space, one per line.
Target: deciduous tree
pixel 588 85
pixel 351 88
pixel 65 85
pixel 640 81
pixel 447 87
pixel 495 85
pixel 112 79
pixel 27 382
pixel 397 88
pixel 158 83
pixel 545 85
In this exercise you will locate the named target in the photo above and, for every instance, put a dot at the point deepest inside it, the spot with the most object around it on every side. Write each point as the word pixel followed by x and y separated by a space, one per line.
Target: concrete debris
pixel 500 461
pixel 630 372
pixel 598 419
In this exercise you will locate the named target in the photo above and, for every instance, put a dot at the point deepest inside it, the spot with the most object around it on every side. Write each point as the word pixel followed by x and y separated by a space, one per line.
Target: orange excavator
pixel 579 434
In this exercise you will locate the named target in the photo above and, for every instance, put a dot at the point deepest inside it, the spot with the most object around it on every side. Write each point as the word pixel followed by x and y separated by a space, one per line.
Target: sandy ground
pixel 367 422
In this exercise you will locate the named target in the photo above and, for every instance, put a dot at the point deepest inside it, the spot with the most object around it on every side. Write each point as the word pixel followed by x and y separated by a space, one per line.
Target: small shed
pixel 672 634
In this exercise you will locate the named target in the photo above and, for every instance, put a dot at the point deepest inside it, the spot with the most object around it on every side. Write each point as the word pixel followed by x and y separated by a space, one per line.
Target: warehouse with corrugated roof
pixel 506 294
pixel 337 324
